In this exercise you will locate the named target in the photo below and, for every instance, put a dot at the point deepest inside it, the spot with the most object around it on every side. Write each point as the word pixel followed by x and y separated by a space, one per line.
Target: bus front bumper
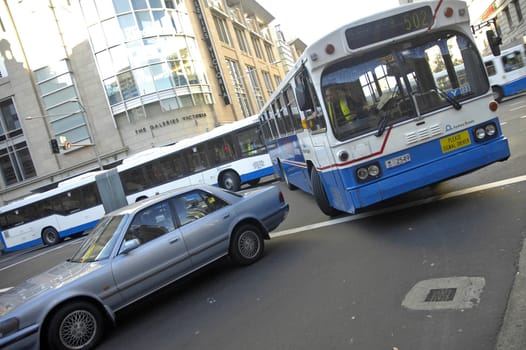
pixel 431 173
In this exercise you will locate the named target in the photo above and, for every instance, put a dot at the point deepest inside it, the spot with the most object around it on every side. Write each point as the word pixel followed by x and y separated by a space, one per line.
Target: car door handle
pixel 173 240
pixel 226 216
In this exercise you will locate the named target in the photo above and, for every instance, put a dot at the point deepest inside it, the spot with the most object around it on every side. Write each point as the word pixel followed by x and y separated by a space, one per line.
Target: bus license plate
pixel 394 162
pixel 454 142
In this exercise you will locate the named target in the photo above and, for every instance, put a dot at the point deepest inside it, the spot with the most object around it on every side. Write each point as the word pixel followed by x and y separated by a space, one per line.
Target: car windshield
pixel 403 81
pixel 99 244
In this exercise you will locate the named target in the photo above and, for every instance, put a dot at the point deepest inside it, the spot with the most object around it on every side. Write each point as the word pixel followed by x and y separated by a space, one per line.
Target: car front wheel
pixel 78 325
pixel 247 245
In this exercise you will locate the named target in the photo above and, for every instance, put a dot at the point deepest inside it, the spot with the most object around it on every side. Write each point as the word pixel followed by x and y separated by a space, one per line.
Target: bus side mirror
pixel 494 42
pixel 304 100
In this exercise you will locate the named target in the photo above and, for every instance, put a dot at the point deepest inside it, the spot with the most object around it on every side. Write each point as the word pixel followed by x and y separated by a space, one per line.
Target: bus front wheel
pixel 50 236
pixel 498 93
pixel 321 196
pixel 230 181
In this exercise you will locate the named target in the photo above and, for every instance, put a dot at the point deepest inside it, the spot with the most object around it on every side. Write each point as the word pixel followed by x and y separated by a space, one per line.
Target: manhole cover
pixel 445 293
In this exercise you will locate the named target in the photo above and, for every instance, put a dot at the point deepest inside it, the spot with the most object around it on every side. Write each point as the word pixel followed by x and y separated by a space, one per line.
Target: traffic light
pixel 54 146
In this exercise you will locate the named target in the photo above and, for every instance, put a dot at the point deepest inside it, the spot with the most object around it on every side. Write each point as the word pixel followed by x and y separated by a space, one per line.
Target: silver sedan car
pixel 131 253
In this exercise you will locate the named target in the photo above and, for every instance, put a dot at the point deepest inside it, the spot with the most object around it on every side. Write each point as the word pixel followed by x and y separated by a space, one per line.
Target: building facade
pixel 504 16
pixel 109 78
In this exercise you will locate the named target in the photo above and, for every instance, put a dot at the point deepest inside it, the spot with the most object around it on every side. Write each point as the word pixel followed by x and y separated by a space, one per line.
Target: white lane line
pixel 401 206
pixel 523 117
pixel 5 289
pixel 517 108
pixel 45 251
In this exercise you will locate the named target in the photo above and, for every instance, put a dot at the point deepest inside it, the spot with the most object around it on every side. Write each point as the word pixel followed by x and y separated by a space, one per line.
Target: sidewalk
pixel 512 335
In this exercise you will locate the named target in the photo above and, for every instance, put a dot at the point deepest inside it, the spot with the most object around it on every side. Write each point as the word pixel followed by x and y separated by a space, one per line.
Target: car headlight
pixel 8 326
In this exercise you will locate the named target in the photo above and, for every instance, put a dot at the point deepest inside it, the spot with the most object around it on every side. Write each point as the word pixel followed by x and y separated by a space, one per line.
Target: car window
pixel 151 223
pixel 194 205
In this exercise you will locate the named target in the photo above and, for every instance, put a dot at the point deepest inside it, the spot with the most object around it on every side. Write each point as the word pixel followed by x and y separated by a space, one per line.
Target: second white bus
pixel 507 72
pixel 228 156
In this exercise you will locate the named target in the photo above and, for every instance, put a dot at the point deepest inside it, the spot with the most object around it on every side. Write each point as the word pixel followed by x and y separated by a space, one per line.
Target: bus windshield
pixel 400 82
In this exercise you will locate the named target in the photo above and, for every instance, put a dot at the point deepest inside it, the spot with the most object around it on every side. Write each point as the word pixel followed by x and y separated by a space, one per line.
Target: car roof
pixel 135 207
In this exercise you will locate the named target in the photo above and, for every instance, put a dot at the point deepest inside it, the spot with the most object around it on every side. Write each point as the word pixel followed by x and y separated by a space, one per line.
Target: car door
pixel 160 257
pixel 205 221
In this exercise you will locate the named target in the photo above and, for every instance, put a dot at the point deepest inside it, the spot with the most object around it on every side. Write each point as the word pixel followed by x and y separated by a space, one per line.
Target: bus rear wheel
pixel 230 181
pixel 50 236
pixel 321 196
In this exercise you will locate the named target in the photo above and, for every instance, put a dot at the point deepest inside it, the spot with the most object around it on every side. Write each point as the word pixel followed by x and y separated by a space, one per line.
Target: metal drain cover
pixel 445 293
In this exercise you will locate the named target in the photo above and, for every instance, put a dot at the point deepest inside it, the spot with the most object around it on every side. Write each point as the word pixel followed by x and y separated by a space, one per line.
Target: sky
pixel 309 20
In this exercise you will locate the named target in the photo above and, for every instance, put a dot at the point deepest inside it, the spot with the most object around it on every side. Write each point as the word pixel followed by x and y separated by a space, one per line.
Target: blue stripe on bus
pixel 62 234
pixel 257 174
pixel 23 246
pixel 78 229
pixel 514 87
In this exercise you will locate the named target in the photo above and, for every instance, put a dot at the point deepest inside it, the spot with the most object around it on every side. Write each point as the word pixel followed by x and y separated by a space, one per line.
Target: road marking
pixel 401 206
pixel 45 251
pixel 517 108
pixel 5 290
pixel 523 117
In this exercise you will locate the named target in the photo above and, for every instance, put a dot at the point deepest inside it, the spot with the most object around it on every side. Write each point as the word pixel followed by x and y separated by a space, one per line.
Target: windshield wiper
pixel 452 101
pixel 382 124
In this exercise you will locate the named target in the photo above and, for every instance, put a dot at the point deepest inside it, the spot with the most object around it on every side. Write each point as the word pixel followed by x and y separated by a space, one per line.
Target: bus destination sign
pixel 388 28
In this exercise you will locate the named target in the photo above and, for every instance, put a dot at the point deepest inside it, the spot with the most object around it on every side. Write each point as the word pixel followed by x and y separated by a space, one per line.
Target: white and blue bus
pixel 362 118
pixel 507 72
pixel 228 156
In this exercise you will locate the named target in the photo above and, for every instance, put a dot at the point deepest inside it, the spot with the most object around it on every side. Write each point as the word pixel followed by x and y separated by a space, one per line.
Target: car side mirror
pixel 130 245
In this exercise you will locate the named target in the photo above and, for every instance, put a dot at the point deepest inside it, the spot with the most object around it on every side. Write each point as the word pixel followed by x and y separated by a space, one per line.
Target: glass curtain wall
pixel 146 51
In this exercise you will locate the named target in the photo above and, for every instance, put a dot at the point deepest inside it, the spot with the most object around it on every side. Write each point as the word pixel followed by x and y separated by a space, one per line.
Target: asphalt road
pixel 342 283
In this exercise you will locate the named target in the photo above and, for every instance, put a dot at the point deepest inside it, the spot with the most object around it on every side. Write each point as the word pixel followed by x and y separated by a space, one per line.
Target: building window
pixel 277 79
pixel 222 30
pixel 508 16
pixel 268 82
pixel 270 53
pixel 239 86
pixel 15 161
pixel 256 86
pixel 518 9
pixel 256 43
pixel 242 40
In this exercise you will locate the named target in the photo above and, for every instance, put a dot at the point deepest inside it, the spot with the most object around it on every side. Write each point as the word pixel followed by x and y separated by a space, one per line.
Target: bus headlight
pixel 484 132
pixel 362 174
pixel 480 133
pixel 373 170
pixel 490 129
pixel 368 172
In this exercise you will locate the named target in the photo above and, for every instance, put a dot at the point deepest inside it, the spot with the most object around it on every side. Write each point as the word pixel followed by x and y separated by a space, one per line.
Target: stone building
pixel 109 78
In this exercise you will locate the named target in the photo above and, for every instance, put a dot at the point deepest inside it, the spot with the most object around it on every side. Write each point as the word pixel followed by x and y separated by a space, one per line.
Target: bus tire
pixel 229 180
pixel 498 93
pixel 321 196
pixel 76 325
pixel 50 236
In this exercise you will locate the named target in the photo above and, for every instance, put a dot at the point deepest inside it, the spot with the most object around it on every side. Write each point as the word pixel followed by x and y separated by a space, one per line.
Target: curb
pixel 512 335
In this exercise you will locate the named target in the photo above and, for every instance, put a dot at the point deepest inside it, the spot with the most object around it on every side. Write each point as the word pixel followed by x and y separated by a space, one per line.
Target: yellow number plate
pixel 456 141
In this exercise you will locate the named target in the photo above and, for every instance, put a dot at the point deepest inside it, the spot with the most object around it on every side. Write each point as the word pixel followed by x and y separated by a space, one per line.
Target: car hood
pixel 54 278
